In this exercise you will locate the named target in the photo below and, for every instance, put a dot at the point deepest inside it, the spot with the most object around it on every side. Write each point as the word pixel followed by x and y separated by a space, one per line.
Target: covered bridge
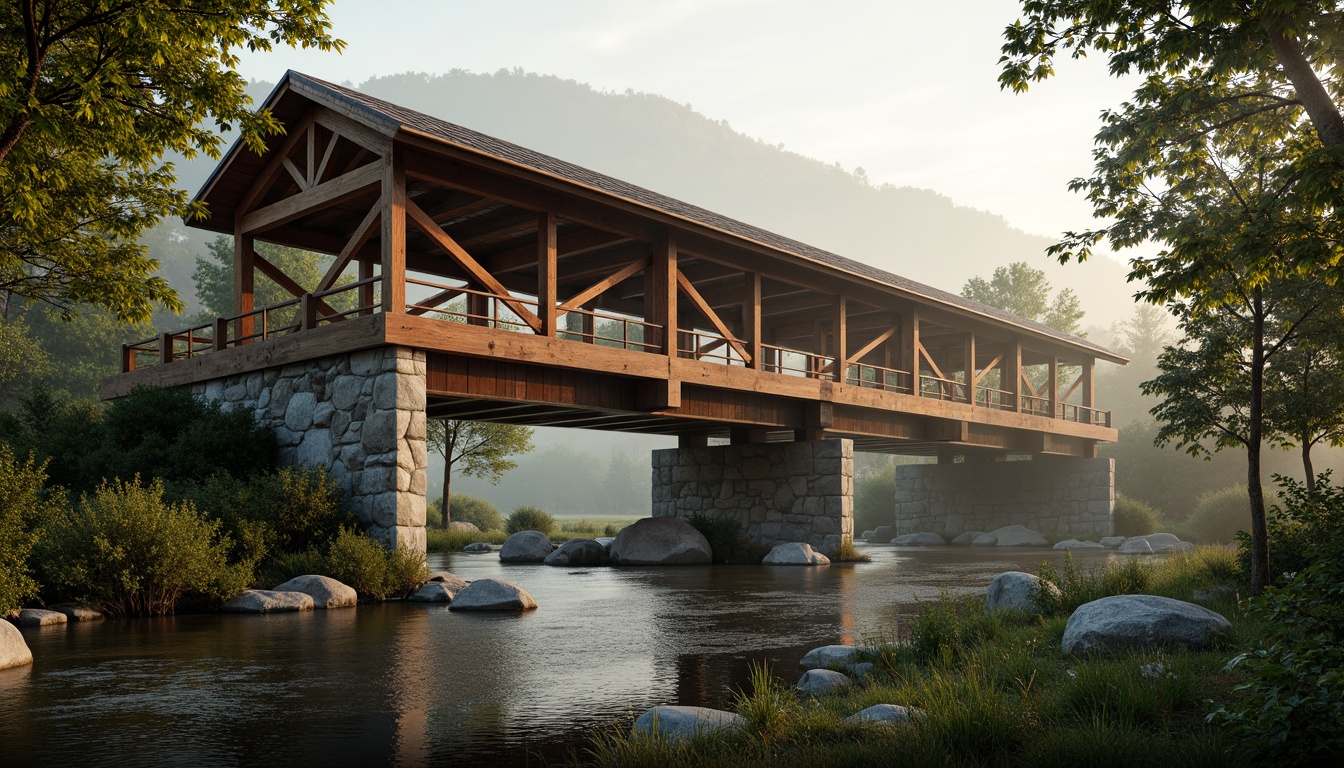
pixel 475 279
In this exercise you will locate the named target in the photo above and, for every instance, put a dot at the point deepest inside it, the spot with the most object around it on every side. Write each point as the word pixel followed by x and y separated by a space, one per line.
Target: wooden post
pixel 910 346
pixel 127 359
pixel 243 281
pixel 839 338
pixel 221 334
pixel 307 312
pixel 970 368
pixel 1053 384
pixel 165 348
pixel 546 274
pixel 1011 377
pixel 751 318
pixel 660 296
pixel 394 232
pixel 1089 387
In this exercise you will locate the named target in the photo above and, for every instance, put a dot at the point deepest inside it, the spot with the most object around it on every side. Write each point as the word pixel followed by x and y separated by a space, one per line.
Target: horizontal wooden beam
pixel 338 190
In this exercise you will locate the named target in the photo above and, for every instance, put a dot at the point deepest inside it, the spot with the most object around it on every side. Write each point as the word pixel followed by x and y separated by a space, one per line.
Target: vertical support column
pixel 970 368
pixel 546 273
pixel 243 281
pixel 751 318
pixel 1011 379
pixel 394 232
pixel 840 338
pixel 1089 386
pixel 1053 384
pixel 660 299
pixel 910 346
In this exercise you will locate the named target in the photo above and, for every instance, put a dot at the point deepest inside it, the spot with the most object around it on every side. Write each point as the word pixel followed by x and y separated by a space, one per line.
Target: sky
pixel 906 90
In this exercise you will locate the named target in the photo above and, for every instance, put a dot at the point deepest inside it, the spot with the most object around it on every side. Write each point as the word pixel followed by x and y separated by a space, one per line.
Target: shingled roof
pixel 389 119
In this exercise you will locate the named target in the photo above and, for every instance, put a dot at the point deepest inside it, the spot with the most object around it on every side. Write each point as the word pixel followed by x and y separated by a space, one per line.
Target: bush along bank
pixel 193 534
pixel 974 681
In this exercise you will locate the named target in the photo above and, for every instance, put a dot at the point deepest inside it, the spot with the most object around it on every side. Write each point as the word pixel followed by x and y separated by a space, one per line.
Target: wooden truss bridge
pixel 546 294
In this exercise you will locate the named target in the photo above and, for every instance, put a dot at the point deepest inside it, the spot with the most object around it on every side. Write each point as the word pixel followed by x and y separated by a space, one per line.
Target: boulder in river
pixel 578 553
pixel 1111 542
pixel 919 540
pixel 660 541
pixel 1135 546
pixel 965 539
pixel 1161 542
pixel 477 547
pixel 1076 544
pixel 268 601
pixel 884 533
pixel 447 579
pixel 325 591
pixel 606 542
pixel 1016 591
pixel 433 592
pixel 463 526
pixel 526 547
pixel 819 682
pixel 829 656
pixel 13 650
pixel 985 540
pixel 492 595
pixel 79 612
pixel 884 714
pixel 1141 622
pixel 686 722
pixel 1017 536
pixel 39 617
pixel 866 535
pixel 795 553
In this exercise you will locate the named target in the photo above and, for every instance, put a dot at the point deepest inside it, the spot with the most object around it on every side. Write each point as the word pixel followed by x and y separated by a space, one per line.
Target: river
pixel 409 684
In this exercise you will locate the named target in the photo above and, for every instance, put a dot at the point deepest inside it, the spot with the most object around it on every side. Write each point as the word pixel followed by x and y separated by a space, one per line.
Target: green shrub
pixel 767 708
pixel 1133 517
pixel 727 544
pixel 290 509
pixel 283 566
pixel 131 553
pixel 1218 516
pixel 530 518
pixel 1300 525
pixel 478 512
pixel 1078 585
pixel 23 511
pixel 405 571
pixel 356 560
pixel 947 629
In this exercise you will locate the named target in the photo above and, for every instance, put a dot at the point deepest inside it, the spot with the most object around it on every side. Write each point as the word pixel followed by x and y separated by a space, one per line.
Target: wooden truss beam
pixel 602 286
pixel 285 281
pixel 266 179
pixel 339 190
pixel 711 315
pixel 357 242
pixel 478 274
pixel 874 344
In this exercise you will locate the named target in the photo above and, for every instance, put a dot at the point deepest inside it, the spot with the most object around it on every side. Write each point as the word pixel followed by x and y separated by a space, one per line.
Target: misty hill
pixel 669 147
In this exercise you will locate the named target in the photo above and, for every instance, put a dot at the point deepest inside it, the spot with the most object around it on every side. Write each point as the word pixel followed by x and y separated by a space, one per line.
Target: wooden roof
pixel 295 90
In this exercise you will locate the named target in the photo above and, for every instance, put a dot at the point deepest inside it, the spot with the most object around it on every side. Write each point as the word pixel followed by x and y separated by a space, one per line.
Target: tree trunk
pixel 447 485
pixel 1324 114
pixel 1306 466
pixel 1255 429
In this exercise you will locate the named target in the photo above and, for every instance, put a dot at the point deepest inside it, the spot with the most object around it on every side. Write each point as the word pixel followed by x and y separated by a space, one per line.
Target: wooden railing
pixel 286 317
pixel 942 389
pixel 712 347
pixel 793 362
pixel 877 377
pixel 606 329
pixel 998 399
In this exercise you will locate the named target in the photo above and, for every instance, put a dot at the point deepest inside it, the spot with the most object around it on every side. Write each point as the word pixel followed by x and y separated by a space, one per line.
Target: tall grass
pixel 453 541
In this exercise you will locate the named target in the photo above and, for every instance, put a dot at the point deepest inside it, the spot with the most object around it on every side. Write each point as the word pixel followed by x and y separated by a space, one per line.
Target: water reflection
pixel 416 685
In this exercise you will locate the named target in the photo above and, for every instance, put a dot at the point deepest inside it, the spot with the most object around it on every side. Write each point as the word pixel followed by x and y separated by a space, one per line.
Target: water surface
pixel 408 684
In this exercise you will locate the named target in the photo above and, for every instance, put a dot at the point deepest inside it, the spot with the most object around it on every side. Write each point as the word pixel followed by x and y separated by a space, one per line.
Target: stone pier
pixel 361 417
pixel 1050 494
pixel 777 492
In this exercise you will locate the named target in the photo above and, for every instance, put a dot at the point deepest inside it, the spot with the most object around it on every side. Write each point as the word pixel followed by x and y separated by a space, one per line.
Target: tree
pixel 1024 290
pixel 92 94
pixel 1304 384
pixel 477 448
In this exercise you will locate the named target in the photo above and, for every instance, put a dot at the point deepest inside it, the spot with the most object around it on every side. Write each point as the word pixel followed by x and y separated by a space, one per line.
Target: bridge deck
pixel 543 294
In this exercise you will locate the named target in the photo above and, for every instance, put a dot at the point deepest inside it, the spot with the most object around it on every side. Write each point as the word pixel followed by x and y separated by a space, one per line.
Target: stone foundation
pixel 361 417
pixel 777 492
pixel 1050 494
